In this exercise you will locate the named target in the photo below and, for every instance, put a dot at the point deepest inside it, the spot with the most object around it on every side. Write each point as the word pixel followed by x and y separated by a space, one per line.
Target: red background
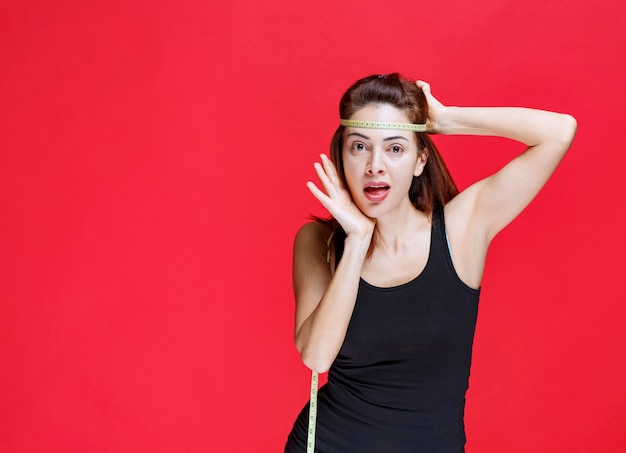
pixel 153 161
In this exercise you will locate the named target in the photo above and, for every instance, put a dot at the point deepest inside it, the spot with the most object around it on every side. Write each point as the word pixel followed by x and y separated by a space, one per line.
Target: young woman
pixel 387 290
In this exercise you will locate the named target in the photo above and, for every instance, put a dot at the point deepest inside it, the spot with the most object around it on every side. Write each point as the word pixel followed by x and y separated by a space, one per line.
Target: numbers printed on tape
pixel 310 445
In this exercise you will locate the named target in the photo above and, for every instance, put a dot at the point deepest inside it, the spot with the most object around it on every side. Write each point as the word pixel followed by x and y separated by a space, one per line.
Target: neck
pixel 395 230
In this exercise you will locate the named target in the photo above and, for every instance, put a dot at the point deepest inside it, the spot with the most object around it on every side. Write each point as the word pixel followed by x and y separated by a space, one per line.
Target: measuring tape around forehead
pixel 384 125
pixel 310 443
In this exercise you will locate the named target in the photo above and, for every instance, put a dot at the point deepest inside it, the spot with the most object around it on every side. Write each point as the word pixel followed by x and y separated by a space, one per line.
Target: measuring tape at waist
pixel 310 443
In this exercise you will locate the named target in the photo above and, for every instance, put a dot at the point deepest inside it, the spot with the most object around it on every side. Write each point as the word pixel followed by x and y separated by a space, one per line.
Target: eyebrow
pixel 386 139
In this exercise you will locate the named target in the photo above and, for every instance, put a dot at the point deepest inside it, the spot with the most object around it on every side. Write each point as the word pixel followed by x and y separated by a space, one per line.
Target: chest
pixel 390 270
pixel 421 319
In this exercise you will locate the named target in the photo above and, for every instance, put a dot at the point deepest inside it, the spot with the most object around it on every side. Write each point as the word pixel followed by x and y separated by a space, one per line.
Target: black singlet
pixel 399 381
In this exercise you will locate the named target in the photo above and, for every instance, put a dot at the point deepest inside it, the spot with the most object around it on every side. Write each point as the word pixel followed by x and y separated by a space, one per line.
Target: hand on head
pixel 436 110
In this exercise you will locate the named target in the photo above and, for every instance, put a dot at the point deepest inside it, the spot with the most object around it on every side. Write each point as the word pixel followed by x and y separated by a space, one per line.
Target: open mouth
pixel 376 192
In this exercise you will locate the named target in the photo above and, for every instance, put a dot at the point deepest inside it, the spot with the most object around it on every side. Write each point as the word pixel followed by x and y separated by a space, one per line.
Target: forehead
pixel 380 112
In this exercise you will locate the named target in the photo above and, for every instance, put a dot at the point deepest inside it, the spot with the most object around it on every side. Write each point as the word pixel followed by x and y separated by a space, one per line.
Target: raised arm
pixel 324 302
pixel 499 198
pixel 476 215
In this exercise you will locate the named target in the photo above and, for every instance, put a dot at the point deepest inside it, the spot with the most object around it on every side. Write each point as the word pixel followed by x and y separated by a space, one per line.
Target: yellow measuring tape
pixel 310 443
pixel 383 125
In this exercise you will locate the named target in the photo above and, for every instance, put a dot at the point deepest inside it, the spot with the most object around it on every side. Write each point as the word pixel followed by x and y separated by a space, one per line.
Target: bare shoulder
pixel 312 238
pixel 311 272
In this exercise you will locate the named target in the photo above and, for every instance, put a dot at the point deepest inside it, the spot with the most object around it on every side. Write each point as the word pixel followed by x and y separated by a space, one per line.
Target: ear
pixel 422 157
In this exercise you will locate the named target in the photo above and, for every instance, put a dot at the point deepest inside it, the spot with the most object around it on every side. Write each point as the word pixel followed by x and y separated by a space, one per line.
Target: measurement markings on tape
pixel 310 445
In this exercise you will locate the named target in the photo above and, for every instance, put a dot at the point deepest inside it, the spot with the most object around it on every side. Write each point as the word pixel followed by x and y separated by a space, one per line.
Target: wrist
pixel 360 239
pixel 446 121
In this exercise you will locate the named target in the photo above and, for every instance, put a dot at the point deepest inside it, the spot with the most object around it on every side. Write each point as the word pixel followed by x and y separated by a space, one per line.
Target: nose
pixel 376 164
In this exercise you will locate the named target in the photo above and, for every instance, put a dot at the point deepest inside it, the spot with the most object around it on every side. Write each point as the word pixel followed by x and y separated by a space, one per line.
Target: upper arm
pixel 311 273
pixel 498 199
pixel 480 212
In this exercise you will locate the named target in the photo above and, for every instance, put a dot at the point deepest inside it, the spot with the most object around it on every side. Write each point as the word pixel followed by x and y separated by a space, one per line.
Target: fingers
pixel 330 170
pixel 424 86
pixel 337 200
pixel 332 194
pixel 321 197
pixel 327 174
pixel 330 190
pixel 327 184
pixel 317 193
pixel 436 110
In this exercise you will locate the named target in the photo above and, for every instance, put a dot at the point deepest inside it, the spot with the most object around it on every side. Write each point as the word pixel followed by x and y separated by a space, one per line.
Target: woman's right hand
pixel 338 202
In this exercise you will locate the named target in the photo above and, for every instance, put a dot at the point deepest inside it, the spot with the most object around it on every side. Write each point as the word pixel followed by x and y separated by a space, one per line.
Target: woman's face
pixel 379 164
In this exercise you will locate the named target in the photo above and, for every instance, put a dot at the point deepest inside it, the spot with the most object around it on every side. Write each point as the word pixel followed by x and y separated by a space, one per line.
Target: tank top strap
pixel 440 249
pixel 439 226
pixel 441 254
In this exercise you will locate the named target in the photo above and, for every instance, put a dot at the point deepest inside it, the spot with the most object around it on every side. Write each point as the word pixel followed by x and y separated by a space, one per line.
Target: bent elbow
pixel 314 361
pixel 568 129
pixel 315 355
pixel 319 366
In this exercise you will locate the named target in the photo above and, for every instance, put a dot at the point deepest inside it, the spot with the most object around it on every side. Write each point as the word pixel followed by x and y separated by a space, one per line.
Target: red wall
pixel 153 161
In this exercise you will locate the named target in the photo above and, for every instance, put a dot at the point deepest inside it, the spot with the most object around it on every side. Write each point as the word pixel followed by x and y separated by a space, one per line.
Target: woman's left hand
pixel 436 110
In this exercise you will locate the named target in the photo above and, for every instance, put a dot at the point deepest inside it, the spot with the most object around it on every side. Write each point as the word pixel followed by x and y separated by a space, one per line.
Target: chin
pixel 373 212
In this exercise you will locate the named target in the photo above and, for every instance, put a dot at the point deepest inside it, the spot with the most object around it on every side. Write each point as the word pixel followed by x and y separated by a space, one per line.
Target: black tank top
pixel 398 383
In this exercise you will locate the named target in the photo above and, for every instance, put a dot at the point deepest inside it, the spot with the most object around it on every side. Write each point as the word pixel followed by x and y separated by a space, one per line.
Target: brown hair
pixel 434 187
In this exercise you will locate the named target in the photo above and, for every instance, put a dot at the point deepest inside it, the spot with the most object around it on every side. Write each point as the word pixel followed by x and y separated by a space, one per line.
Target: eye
pixel 396 149
pixel 358 147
